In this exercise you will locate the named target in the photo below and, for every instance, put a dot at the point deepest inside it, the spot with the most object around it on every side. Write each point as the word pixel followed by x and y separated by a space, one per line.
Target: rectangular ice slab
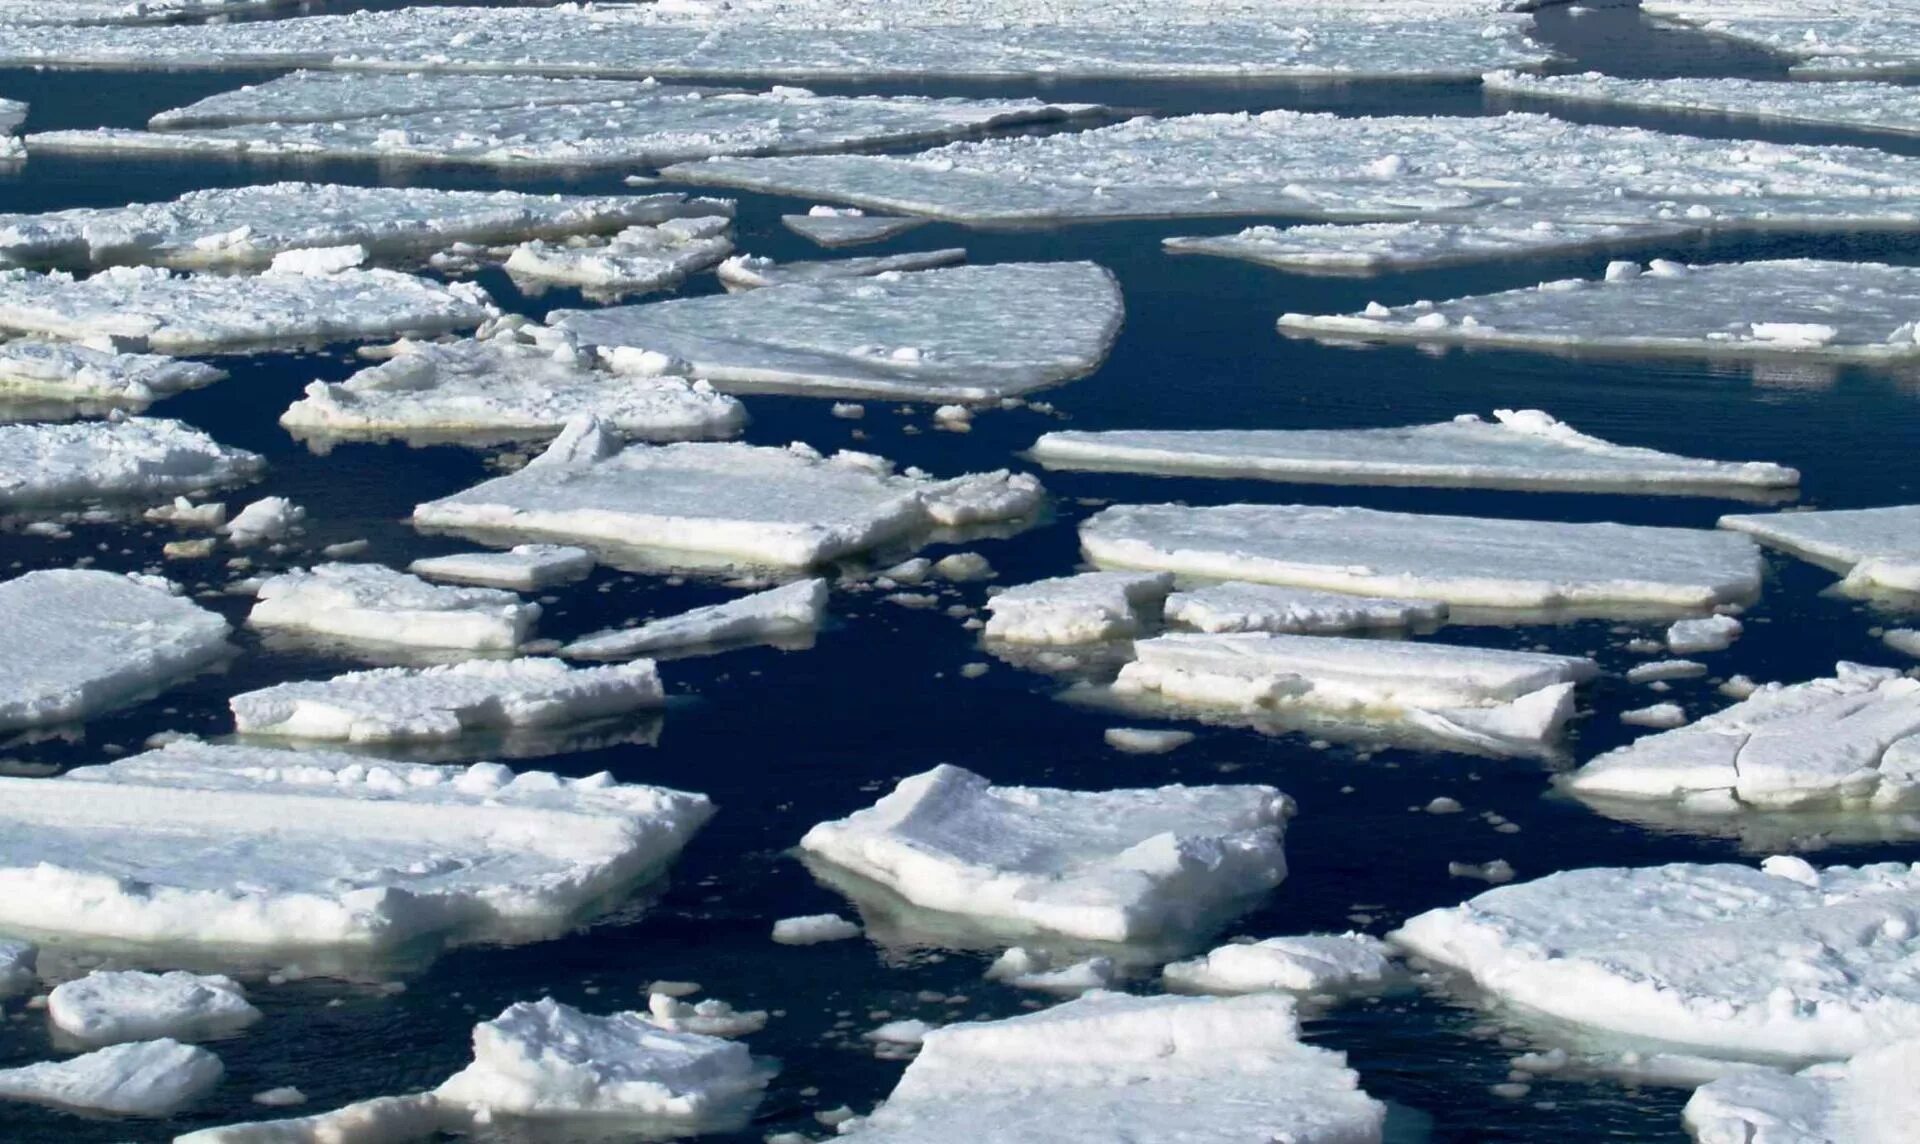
pixel 87 376
pixel 1518 449
pixel 959 333
pixel 1114 1067
pixel 1860 105
pixel 1787 961
pixel 1874 547
pixel 248 226
pixel 81 641
pixel 1846 38
pixel 203 313
pixel 723 503
pixel 1087 608
pixel 787 612
pixel 370 603
pixel 1870 1099
pixel 338 850
pixel 525 567
pixel 1122 865
pixel 131 459
pixel 637 259
pixel 1237 606
pixel 401 705
pixel 1379 247
pixel 1454 559
pixel 1849 311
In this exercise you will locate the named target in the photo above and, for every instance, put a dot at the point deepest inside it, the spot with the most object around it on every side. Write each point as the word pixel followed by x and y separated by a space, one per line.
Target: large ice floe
pixel 1785 962
pixel 82 641
pixel 638 259
pixel 1237 606
pixel 1110 1066
pixel 785 615
pixel 1870 1099
pixel 1110 866
pixel 514 382
pixel 712 503
pixel 1380 247
pixel 1876 548
pixel 122 459
pixel 962 333
pixel 339 850
pixel 1843 38
pixel 1863 105
pixel 371 603
pixel 1457 560
pixel 204 313
pixel 745 272
pixel 1087 608
pixel 143 1078
pixel 1848 311
pixel 1492 701
pixel 68 376
pixel 111 1006
pixel 1524 448
pixel 250 226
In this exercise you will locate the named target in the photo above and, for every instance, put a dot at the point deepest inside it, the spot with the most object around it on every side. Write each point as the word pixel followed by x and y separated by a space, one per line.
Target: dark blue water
pixel 784 739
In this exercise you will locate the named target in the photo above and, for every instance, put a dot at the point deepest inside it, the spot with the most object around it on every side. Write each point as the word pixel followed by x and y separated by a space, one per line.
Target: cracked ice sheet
pixel 956 333
pixel 1862 105
pixel 1518 449
pixel 204 313
pixel 1785 963
pixel 340 850
pixel 1877 548
pixel 1870 1099
pixel 1387 168
pixel 1833 38
pixel 1843 311
pixel 142 459
pixel 248 226
pixel 1379 247
pixel 1603 568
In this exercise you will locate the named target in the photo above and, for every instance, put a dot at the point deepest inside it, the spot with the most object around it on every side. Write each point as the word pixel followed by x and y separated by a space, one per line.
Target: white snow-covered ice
pixel 36 369
pixel 524 567
pixel 111 1006
pixel 1870 1099
pixel 12 114
pixel 1379 247
pixel 122 459
pixel 104 13
pixel 1313 963
pixel 638 259
pixel 814 929
pixel 1087 608
pixel 143 1078
pixel 1237 606
pixel 1876 548
pixel 1831 38
pixel 371 603
pixel 18 961
pixel 1705 633
pixel 380 1120
pixel 745 272
pixel 1858 105
pixel 792 611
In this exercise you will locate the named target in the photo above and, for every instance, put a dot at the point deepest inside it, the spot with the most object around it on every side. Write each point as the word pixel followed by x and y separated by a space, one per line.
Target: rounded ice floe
pixel 1315 963
pixel 370 603
pixel 1870 1099
pixel 1876 548
pixel 144 1078
pixel 639 258
pixel 1236 606
pixel 814 929
pixel 1786 961
pixel 524 567
pixel 1117 866
pixel 1087 608
pixel 109 1006
pixel 1146 741
pixel 1708 633
pixel 125 458
pixel 745 272
pixel 790 612
pixel 35 368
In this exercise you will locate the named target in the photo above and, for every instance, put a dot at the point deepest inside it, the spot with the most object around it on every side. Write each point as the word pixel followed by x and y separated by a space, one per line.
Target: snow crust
pixel 1867 1100
pixel 525 567
pixel 1838 38
pixel 639 258
pixel 370 603
pixel 111 1006
pixel 125 458
pixel 1859 105
pixel 847 226
pixel 1314 963
pixel 90 376
pixel 790 611
pixel 1380 247
pixel 1087 608
pixel 1236 606
pixel 146 1078
pixel 1877 548
pixel 745 272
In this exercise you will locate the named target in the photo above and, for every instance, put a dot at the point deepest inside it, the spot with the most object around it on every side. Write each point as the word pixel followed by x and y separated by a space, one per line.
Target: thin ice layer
pixel 1380 247
pixel 1783 962
pixel 1870 1099
pixel 1859 105
pixel 248 226
pixel 145 1078
pixel 524 567
pixel 1454 559
pixel 338 850
pixel 398 704
pixel 92 376
pixel 1519 448
pixel 788 612
pixel 639 258
pixel 202 313
pixel 371 603
pixel 1113 1067
pixel 959 333
pixel 1841 38
pixel 1847 311
pixel 1087 608
pixel 1875 547
pixel 132 458
pixel 111 1006
pixel 745 272
pixel 1237 606
pixel 1122 865
pixel 81 641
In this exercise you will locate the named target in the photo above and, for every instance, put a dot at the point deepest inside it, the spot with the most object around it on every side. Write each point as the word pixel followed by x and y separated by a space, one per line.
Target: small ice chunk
pixel 908 1032
pixel 524 567
pixel 793 610
pixel 1875 547
pixel 1146 741
pixel 1903 640
pixel 1088 608
pixel 370 603
pixel 1662 715
pixel 849 410
pixel 269 518
pixel 110 1006
pixel 17 967
pixel 1859 106
pixel 1381 247
pixel 1663 669
pixel 145 1078
pixel 833 227
pixel 183 513
pixel 710 1018
pixel 41 370
pixel 1023 968
pixel 1498 871
pixel 285 1096
pixel 814 929
pixel 318 260
pixel 382 1120
pixel 638 259
pixel 1709 633
pixel 127 458
pixel 1241 607
pixel 745 272
pixel 1870 1099
pixel 1315 963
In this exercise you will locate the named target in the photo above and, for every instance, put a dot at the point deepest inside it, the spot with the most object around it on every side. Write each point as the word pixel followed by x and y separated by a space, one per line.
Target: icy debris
pixel 1315 963
pixel 524 567
pixel 382 1120
pixel 1860 106
pixel 249 226
pixel 145 1078
pixel 1087 608
pixel 1117 865
pixel 516 383
pixel 847 226
pixel 1851 311
pixel 722 503
pixel 339 850
pixel 124 458
pixel 1381 247
pixel 814 929
pixel 745 272
pixel 1660 670
pixel 1519 449
pixel 398 704
pixel 709 1018
pixel 202 313
pixel 1870 1099
pixel 1874 547
pixel 1503 702
pixel 267 519
pixel 1037 970
pixel 1146 741
pixel 1235 606
pixel 1903 640
pixel 82 641
pixel 959 333
pixel 110 1006
pixel 1662 715
pixel 1844 38
pixel 1786 961
pixel 784 613
pixel 94 376
pixel 639 258
pixel 1708 633
pixel 1851 740
pixel 370 603
pixel 17 967
pixel 1109 1066
pixel 1453 559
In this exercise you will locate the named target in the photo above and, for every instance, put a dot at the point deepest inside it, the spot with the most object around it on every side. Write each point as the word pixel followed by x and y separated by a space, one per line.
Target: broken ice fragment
pixel 745 272
pixel 1236 606
pixel 1087 608
pixel 524 567
pixel 111 1006
pixel 94 378
pixel 145 1078
pixel 638 259
pixel 132 458
pixel 1867 1100
pixel 369 603
pixel 778 615
pixel 814 929
pixel 1877 548
pixel 1380 247
pixel 1314 963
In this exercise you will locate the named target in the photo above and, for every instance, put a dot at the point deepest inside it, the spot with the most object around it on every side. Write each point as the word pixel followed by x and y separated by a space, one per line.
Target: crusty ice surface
pixel 204 313
pixel 249 226
pixel 637 259
pixel 1874 547
pixel 1785 962
pixel 1312 963
pixel 1861 105
pixel 1454 559
pixel 787 612
pixel 1087 608
pixel 371 603
pixel 89 376
pixel 338 850
pixel 132 458
pixel 81 641
pixel 525 567
pixel 1870 1099
pixel 1519 448
pixel 144 1078
pixel 956 333
pixel 1838 38
pixel 847 226
pixel 1237 606
pixel 1118 866
pixel 1377 247
pixel 745 272
pixel 111 1006
pixel 1109 1066
pixel 1850 311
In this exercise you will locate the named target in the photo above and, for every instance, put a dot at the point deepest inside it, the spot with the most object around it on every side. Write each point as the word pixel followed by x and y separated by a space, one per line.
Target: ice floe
pixel 1870 1099
pixel 381 1120
pixel 1109 1066
pixel 638 259
pixel 1115 866
pixel 779 615
pixel 1707 633
pixel 1876 548
pixel 264 520
pixel 1314 963
pixel 1849 311
pixel 1379 247
pixel 12 114
pixel 745 272
pixel 371 603
pixel 966 333
pixel 1145 740
pixel 847 226
pixel 1454 559
pixel 110 1006
pixel 1663 716
pixel 92 378
pixel 1235 606
pixel 1862 105
pixel 1519 448
pixel 1037 970
pixel 1783 962
pixel 103 13
pixel 524 567
pixel 124 459
pixel 1845 38
pixel 18 960
pixel 1087 608
pixel 145 1078
pixel 814 929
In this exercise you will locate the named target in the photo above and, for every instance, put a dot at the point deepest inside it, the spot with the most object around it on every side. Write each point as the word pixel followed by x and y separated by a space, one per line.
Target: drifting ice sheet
pixel 110 1006
pixel 1373 248
pixel 147 1078
pixel 1847 38
pixel 89 377
pixel 1518 449
pixel 1087 608
pixel 1117 866
pixel 1235 606
pixel 847 226
pixel 370 603
pixel 1850 311
pixel 787 612
pixel 1862 106
pixel 1315 963
pixel 133 458
pixel 745 272
pixel 1870 1099
pixel 1455 559
pixel 1875 547
pixel 967 333
pixel 639 258
pixel 525 567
